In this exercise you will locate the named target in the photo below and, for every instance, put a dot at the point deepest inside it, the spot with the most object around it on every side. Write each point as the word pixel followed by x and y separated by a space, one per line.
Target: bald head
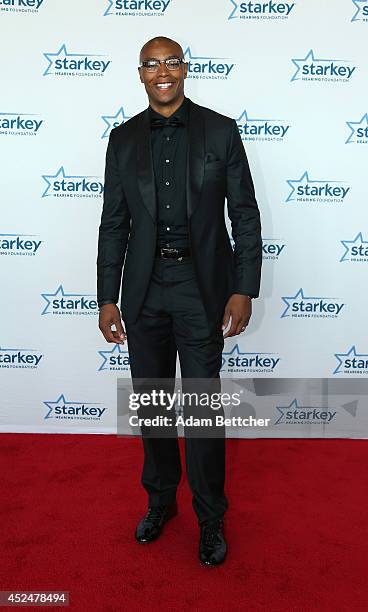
pixel 156 42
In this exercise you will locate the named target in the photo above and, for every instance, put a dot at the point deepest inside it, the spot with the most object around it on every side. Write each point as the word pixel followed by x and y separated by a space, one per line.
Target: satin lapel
pixel 145 174
pixel 195 158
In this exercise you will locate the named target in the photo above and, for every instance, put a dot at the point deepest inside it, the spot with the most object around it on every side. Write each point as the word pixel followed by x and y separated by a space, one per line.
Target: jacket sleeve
pixel 245 219
pixel 113 232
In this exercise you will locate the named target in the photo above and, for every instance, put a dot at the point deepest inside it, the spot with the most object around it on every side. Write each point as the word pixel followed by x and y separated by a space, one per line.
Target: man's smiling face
pixel 164 87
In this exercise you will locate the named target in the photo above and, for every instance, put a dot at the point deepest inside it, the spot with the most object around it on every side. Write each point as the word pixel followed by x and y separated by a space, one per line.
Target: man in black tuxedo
pixel 168 172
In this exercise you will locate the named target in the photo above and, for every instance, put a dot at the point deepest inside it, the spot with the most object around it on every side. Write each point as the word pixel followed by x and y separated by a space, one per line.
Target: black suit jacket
pixel 217 168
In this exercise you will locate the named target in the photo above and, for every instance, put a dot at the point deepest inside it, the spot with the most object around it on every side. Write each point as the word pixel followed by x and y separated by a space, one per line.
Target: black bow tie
pixel 157 122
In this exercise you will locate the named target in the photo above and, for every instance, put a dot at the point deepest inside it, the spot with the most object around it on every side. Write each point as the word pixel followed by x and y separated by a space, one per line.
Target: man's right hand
pixel 110 315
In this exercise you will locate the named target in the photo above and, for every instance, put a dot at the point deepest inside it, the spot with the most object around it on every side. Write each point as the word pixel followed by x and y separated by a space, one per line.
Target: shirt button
pixel 167 205
pixel 167 137
pixel 168 229
pixel 167 182
pixel 167 161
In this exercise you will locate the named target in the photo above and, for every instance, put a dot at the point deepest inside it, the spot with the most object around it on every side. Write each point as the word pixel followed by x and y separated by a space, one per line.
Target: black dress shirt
pixel 169 153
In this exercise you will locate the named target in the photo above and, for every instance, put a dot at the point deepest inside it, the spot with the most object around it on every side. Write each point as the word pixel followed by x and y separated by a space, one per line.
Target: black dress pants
pixel 173 320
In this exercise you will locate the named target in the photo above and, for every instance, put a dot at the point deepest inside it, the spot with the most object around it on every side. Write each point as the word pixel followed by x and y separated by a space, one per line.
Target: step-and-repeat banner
pixel 294 74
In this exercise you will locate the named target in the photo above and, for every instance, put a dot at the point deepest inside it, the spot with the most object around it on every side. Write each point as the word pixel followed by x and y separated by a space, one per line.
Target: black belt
pixel 172 253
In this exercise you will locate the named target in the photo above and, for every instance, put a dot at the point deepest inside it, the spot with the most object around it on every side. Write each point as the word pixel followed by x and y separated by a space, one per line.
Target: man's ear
pixel 185 68
pixel 140 75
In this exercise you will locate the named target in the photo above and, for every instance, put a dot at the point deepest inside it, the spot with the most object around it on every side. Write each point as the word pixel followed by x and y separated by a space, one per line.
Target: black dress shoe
pixel 212 544
pixel 151 525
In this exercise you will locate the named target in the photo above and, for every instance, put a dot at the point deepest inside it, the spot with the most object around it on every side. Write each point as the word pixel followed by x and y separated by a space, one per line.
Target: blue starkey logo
pixel 19 244
pixel 136 8
pixel 361 10
pixel 19 358
pixel 308 307
pixel 115 359
pixel 356 250
pixel 62 409
pixel 207 67
pixel 61 303
pixel 21 6
pixel 258 130
pixel 272 248
pixel 72 185
pixel 310 68
pixel 236 360
pixel 351 362
pixel 19 124
pixel 260 10
pixel 314 191
pixel 113 121
pixel 358 131
pixel 293 414
pixel 62 63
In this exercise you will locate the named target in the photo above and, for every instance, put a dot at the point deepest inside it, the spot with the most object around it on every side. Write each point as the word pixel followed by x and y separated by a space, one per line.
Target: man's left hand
pixel 239 309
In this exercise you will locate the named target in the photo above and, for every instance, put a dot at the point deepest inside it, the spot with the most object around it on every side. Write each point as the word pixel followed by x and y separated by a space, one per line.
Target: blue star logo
pixel 296 62
pixel 50 405
pixel 299 296
pixel 357 240
pixel 61 175
pixel 235 5
pixel 304 180
pixel 61 401
pixel 60 292
pixel 62 53
pixel 309 57
pixel 188 56
pixel 350 125
pixel 350 353
pixel 114 120
pixel 117 350
pixel 282 410
pixel 359 4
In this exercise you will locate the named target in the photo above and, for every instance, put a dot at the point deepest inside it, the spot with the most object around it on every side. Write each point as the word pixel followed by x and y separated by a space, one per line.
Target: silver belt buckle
pixel 165 250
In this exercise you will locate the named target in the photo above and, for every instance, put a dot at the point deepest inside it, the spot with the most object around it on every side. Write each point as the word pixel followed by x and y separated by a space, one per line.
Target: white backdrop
pixel 294 75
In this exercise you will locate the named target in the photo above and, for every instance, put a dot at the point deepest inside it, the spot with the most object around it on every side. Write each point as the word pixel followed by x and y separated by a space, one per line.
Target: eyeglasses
pixel 172 63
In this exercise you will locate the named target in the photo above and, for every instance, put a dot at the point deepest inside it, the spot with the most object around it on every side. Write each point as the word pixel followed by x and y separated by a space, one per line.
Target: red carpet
pixel 297 527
